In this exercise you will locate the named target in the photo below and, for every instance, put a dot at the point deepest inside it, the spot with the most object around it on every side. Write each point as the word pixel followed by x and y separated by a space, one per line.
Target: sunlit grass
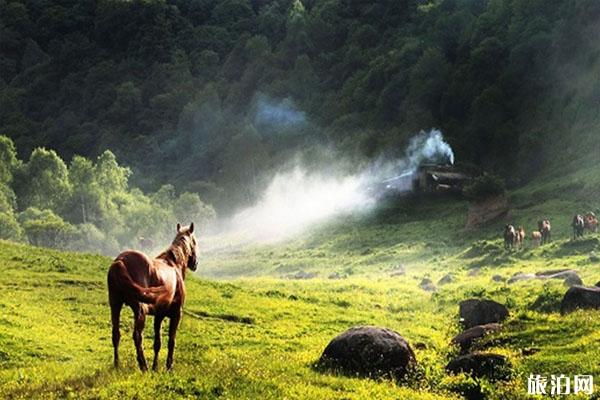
pixel 258 334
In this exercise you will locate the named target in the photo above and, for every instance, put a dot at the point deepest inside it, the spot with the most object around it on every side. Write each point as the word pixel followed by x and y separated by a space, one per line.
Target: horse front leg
pixel 138 329
pixel 157 323
pixel 173 324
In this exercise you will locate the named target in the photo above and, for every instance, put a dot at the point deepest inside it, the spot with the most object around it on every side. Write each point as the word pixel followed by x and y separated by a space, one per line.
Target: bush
pixel 484 187
pixel 9 227
pixel 44 228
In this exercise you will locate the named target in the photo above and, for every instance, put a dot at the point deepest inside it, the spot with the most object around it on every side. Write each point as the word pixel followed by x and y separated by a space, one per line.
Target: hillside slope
pixel 260 336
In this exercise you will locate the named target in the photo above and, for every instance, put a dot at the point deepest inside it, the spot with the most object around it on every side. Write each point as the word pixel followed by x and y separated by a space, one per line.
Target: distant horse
pixel 146 243
pixel 151 286
pixel 590 222
pixel 545 229
pixel 536 238
pixel 510 236
pixel 520 237
pixel 578 225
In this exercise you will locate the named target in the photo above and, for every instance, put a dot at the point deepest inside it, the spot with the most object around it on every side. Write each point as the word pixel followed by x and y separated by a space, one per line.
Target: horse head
pixel 187 242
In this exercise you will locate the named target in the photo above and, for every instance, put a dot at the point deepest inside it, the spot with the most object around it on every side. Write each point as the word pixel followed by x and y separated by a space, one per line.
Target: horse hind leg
pixel 115 314
pixel 157 341
pixel 138 329
pixel 173 324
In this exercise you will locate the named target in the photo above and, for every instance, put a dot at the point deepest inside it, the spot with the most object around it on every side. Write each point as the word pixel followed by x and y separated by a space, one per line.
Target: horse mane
pixel 179 250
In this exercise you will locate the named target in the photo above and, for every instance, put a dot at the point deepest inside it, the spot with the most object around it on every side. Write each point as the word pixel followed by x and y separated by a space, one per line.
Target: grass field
pixel 251 332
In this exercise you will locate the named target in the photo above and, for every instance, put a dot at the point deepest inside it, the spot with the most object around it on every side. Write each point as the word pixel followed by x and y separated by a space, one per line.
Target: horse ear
pixel 178 227
pixel 191 229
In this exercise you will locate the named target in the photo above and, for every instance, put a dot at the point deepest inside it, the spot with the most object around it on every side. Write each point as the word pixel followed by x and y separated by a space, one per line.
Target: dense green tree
pixel 44 181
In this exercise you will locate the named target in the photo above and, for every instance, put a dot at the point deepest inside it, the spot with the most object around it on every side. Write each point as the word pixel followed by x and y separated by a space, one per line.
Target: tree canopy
pixel 173 87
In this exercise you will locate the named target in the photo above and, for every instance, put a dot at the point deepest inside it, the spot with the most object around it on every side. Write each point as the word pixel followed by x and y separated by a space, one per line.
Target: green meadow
pixel 252 330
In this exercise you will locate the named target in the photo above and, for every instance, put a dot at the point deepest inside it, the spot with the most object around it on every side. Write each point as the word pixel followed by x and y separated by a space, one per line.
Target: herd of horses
pixel 514 238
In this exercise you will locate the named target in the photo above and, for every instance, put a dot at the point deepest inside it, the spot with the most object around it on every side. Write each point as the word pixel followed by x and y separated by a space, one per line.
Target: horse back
pixel 139 266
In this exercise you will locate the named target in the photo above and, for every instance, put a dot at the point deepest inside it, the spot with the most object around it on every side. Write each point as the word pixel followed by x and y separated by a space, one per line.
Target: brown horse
pixel 520 237
pixel 536 238
pixel 510 237
pixel 578 225
pixel 151 286
pixel 545 229
pixel 590 222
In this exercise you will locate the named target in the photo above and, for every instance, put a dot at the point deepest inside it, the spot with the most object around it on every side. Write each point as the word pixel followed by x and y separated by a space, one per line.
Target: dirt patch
pixel 488 211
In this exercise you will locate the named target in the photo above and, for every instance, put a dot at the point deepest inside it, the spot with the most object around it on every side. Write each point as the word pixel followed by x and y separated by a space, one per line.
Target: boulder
pixel 475 312
pixel 427 285
pixel 474 272
pixel 552 272
pixel 336 275
pixel 302 275
pixel 572 279
pixel 580 297
pixel 466 338
pixel 448 278
pixel 568 276
pixel 399 270
pixel 498 278
pixel 490 365
pixel 369 351
pixel 521 276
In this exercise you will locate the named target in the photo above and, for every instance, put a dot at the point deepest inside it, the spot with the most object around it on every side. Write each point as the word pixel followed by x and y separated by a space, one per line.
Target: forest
pixel 86 205
pixel 210 98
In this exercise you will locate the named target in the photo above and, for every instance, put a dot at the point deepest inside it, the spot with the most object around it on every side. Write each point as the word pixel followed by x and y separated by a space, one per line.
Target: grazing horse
pixel 536 238
pixel 578 225
pixel 520 237
pixel 151 286
pixel 545 228
pixel 510 236
pixel 590 222
pixel 146 243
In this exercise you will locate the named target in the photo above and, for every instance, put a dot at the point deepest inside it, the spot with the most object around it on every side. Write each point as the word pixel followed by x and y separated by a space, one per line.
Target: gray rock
pixel 553 272
pixel 569 276
pixel 302 275
pixel 336 275
pixel 521 276
pixel 427 285
pixel 498 278
pixel 369 351
pixel 448 278
pixel 399 270
pixel 572 279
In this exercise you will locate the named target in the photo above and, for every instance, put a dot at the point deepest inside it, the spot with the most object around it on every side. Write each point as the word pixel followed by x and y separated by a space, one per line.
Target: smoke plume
pixel 279 113
pixel 299 198
pixel 428 146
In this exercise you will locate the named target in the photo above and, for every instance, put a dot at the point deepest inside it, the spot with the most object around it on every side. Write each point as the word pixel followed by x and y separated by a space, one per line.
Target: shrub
pixel 484 187
pixel 9 227
pixel 44 228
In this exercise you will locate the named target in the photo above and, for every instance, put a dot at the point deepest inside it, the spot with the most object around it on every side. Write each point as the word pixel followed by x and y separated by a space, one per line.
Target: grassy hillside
pixel 258 334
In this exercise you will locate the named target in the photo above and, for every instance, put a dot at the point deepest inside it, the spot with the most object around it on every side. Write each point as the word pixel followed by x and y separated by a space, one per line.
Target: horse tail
pixel 119 279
